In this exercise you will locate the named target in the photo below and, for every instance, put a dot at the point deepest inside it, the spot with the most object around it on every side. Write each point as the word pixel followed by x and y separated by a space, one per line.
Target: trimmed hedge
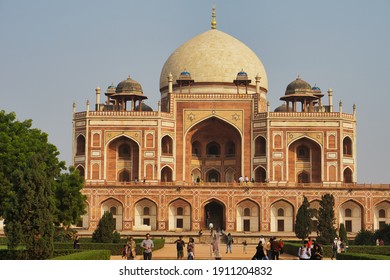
pixel 352 256
pixel 87 255
pixel 114 248
pixel 371 250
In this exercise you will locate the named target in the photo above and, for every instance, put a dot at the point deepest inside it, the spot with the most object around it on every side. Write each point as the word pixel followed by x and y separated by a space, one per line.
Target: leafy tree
pixel 326 220
pixel 303 220
pixel 105 229
pixel 343 233
pixel 70 203
pixel 28 167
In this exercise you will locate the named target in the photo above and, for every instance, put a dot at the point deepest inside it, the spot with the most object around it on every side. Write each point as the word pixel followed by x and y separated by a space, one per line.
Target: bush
pixel 354 256
pixel 116 237
pixel 62 235
pixel 87 255
pixel 104 232
pixel 365 237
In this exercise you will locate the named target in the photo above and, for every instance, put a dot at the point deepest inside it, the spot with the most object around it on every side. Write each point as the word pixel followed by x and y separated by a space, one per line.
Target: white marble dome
pixel 213 57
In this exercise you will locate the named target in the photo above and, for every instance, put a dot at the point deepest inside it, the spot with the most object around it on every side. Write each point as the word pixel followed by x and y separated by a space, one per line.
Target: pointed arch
pixel 348 175
pixel 282 216
pixel 145 214
pixel 347 146
pixel 80 145
pixel 260 146
pixel 167 145
pixel 247 216
pixel 305 155
pixel 179 215
pixel 351 214
pixel 108 205
pixel 381 214
pixel 260 174
pixel 166 174
pixel 215 213
pixel 122 152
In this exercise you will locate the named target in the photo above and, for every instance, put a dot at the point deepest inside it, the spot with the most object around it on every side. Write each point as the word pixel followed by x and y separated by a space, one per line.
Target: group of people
pixel 310 250
pixel 180 245
pixel 269 250
pixel 129 249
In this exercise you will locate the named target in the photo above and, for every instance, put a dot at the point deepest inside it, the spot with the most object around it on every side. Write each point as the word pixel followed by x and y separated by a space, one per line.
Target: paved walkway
pixel 203 252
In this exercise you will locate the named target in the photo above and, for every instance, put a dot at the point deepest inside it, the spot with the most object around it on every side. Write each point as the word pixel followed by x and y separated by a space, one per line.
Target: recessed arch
pixel 213 176
pixel 282 216
pixel 145 220
pixel 80 145
pixel 179 215
pixel 215 213
pixel 167 145
pixel 214 142
pixel 351 214
pixel 166 174
pixel 348 175
pixel 260 174
pixel 247 216
pixel 347 146
pixel 381 214
pixel 115 207
pixel 310 160
pixel 122 152
pixel 260 146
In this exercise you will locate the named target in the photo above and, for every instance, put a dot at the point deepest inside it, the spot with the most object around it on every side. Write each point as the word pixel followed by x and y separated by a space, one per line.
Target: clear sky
pixel 54 53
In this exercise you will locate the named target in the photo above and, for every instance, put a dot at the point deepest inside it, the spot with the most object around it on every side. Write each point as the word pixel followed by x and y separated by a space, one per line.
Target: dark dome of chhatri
pixel 144 108
pixel 298 86
pixel 129 86
pixel 282 108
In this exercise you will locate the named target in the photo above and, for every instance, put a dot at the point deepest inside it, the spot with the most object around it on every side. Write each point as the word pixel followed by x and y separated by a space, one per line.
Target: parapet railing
pixel 292 185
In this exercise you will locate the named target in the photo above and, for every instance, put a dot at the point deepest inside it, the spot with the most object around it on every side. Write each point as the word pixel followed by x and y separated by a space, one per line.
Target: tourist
pixel 275 249
pixel 76 242
pixel 180 248
pixel 304 251
pixel 148 245
pixel 229 242
pixel 259 255
pixel 244 245
pixel 130 248
pixel 191 249
pixel 316 252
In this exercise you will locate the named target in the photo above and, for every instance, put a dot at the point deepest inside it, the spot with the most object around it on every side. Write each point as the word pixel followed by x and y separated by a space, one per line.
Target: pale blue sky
pixel 56 52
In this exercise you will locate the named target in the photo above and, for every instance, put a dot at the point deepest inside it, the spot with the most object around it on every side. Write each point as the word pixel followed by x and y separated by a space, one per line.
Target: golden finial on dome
pixel 213 19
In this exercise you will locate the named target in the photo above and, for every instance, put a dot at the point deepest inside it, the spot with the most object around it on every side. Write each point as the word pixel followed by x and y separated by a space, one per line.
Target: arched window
pixel 179 211
pixel 166 145
pixel 230 149
pixel 146 211
pixel 348 212
pixel 280 212
pixel 247 212
pixel 347 175
pixel 347 146
pixel 303 177
pixel 260 146
pixel 124 176
pixel 113 210
pixel 124 151
pixel 196 149
pixel 80 145
pixel 382 213
pixel 303 153
pixel 213 149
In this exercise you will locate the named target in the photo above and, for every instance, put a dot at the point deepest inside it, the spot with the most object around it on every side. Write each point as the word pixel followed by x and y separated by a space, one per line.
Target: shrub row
pixel 87 255
pixel 114 248
pixel 354 256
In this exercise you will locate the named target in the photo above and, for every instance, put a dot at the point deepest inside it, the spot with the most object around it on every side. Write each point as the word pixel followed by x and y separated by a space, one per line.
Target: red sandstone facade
pixel 179 168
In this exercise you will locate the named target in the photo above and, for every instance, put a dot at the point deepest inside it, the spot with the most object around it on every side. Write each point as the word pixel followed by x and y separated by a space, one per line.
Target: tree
pixel 105 230
pixel 343 233
pixel 303 220
pixel 70 203
pixel 28 168
pixel 326 219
